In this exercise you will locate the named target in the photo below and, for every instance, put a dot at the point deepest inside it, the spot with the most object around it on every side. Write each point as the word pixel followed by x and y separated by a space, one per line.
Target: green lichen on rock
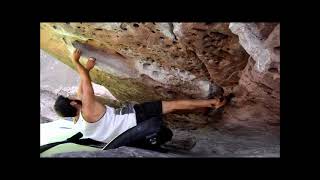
pixel 109 102
pixel 124 89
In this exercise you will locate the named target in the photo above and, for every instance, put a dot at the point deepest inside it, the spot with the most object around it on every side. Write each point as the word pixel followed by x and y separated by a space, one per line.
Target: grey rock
pixel 121 152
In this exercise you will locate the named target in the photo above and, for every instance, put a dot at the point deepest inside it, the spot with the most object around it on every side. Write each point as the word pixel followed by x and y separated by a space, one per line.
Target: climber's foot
pixel 90 63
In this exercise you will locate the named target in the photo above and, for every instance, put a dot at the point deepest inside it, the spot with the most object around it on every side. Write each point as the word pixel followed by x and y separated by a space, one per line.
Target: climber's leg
pixel 170 106
pixel 147 110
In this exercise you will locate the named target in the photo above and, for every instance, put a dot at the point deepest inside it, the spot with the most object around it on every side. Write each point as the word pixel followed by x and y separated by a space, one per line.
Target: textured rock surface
pixel 150 61
pixel 259 84
pixel 116 153
pixel 130 152
pixel 217 48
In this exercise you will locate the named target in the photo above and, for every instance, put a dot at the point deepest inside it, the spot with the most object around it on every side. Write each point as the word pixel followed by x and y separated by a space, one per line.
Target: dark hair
pixel 63 107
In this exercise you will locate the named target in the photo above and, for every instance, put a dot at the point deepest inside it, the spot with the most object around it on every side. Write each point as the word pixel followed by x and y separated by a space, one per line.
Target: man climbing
pixel 104 123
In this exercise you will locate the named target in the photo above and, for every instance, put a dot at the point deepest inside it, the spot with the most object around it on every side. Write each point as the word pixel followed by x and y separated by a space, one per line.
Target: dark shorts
pixel 147 110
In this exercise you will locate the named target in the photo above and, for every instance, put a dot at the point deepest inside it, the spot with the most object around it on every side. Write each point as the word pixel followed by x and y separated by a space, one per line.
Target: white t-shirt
pixel 113 123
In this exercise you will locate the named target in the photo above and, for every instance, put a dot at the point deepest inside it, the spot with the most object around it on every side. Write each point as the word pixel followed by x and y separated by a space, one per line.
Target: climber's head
pixel 67 107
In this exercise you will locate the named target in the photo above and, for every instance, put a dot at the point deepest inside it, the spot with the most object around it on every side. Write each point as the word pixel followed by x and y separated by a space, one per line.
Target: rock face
pixel 260 80
pixel 151 61
pixel 218 50
pixel 127 152
pixel 148 61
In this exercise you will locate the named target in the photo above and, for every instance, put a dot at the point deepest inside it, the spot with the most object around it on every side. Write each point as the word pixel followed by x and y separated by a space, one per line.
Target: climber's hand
pixel 221 103
pixel 76 55
pixel 216 103
pixel 90 63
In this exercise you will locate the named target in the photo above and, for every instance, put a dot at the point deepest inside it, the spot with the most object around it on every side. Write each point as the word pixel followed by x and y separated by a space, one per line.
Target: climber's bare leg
pixel 171 106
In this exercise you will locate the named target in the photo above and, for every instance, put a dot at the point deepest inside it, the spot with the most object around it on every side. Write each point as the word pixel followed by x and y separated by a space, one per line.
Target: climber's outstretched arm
pixel 90 64
pixel 91 109
pixel 170 106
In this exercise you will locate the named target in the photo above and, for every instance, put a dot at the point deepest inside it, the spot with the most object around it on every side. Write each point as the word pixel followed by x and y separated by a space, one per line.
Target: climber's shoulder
pixel 94 112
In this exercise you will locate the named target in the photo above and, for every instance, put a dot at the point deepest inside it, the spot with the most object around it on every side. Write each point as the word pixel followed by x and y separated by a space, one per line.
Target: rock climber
pixel 103 123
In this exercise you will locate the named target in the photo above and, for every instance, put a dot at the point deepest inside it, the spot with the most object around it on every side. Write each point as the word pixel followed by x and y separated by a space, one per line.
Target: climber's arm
pixel 90 64
pixel 79 92
pixel 75 60
pixel 190 104
pixel 84 75
pixel 92 109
